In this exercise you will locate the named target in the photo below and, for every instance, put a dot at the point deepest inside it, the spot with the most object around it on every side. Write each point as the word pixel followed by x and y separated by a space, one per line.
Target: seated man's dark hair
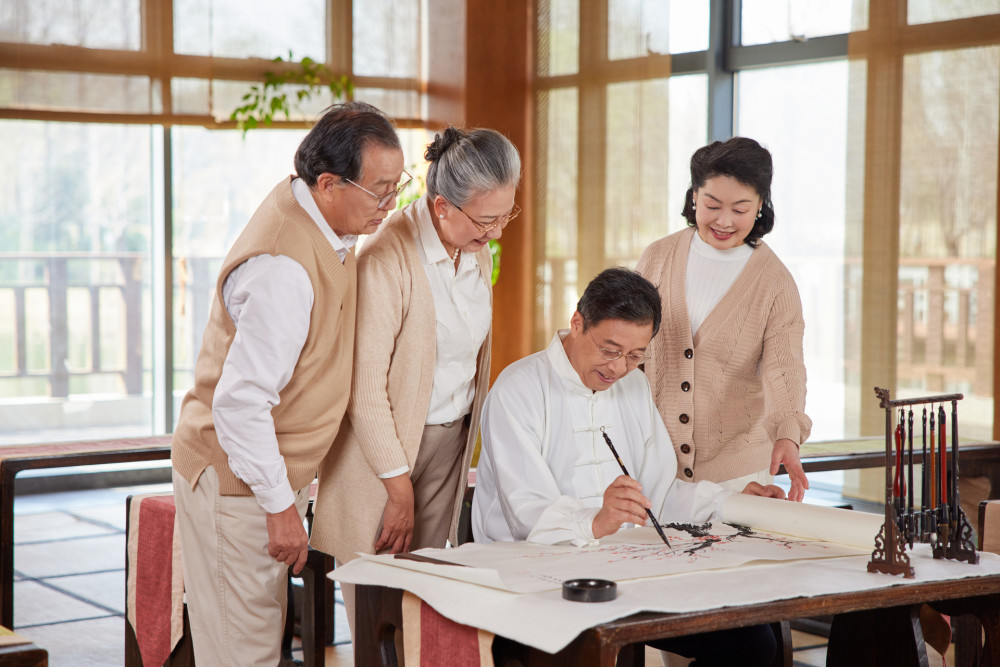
pixel 620 294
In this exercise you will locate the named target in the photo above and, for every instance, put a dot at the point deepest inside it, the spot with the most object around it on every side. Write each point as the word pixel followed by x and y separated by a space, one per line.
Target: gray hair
pixel 467 164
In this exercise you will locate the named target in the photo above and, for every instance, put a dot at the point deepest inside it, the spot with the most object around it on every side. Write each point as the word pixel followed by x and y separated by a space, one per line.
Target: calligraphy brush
pixel 656 524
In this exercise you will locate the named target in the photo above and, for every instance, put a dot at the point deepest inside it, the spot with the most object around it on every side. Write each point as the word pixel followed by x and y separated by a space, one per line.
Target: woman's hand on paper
pixel 623 503
pixel 397 520
pixel 786 452
pixel 769 491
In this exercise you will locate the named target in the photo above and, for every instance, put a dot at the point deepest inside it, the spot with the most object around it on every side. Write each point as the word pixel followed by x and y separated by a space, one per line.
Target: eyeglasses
pixel 383 200
pixel 632 358
pixel 501 221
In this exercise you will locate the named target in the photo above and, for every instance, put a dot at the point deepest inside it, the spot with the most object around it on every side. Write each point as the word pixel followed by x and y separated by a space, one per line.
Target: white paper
pixel 547 622
pixel 803 520
pixel 638 553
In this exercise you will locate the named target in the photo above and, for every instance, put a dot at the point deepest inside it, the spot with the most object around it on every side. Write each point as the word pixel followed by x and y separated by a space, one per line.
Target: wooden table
pixel 870 627
pixel 13 460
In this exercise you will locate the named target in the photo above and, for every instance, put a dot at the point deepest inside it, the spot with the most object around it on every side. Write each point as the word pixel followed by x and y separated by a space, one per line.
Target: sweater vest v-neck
pixel 312 404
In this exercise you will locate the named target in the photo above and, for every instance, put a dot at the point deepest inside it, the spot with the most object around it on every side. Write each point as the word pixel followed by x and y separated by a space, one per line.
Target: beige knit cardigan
pixel 727 394
pixel 394 356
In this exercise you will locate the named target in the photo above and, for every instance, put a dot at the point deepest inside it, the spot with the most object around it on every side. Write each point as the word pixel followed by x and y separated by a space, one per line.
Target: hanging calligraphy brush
pixel 924 477
pixel 910 520
pixel 899 482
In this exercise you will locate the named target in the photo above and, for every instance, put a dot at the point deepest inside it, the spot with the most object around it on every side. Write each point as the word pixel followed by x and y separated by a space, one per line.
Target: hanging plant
pixel 289 88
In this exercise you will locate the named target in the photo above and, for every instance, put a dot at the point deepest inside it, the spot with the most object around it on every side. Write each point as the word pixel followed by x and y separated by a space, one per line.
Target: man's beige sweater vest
pixel 312 404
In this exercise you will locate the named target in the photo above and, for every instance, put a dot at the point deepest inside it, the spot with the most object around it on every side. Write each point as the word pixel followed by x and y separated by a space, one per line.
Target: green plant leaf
pixel 271 97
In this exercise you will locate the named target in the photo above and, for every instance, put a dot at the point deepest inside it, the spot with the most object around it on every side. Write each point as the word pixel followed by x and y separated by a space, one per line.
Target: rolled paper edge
pixel 832 524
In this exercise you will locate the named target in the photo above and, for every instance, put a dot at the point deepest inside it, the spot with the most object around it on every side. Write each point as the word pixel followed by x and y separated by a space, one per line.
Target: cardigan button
pixel 688 353
pixel 685 448
pixel 688 473
pixel 685 386
pixel 684 419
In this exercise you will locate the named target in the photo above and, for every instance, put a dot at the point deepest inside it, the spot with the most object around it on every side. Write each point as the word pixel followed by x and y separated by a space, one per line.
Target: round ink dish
pixel 589 590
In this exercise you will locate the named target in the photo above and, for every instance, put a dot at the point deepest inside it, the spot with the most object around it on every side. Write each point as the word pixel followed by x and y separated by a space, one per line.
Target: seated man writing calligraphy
pixel 546 473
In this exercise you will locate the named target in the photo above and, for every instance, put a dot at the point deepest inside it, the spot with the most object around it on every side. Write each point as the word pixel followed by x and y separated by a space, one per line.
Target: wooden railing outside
pixel 945 331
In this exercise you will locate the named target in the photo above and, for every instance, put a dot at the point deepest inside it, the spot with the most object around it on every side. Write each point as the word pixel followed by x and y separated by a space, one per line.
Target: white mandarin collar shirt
pixel 544 465
pixel 269 298
pixel 464 314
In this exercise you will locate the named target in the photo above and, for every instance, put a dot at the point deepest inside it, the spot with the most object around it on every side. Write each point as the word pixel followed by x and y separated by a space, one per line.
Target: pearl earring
pixel 759 212
pixel 694 205
pixel 440 217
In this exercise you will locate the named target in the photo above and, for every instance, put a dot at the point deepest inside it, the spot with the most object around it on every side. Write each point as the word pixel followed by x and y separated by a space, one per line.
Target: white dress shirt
pixel 463 310
pixel 544 464
pixel 269 298
pixel 710 274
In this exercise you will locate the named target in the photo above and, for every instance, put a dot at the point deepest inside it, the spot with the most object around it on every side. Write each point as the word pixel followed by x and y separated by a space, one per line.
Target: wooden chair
pixel 316 626
pixel 972 646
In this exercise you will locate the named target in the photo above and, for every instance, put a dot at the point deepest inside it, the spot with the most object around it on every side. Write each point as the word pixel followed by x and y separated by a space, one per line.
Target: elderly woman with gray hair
pixel 395 478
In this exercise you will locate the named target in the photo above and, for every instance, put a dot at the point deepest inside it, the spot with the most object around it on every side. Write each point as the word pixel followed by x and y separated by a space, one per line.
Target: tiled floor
pixel 69 587
pixel 69 577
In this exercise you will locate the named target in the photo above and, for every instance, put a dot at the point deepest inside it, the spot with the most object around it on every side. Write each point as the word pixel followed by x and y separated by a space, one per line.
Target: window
pixel 800 112
pixel 884 131
pixel 116 138
pixel 947 230
pixel 74 280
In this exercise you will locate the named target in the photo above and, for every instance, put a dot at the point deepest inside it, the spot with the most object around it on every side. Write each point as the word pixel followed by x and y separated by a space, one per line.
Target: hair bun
pixel 442 142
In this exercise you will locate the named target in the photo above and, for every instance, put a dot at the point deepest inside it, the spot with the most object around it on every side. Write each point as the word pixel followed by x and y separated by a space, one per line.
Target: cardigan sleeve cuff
pixel 793 429
pixel 371 418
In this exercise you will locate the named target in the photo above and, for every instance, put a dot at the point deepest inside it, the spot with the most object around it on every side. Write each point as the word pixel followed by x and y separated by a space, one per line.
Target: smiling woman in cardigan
pixel 395 478
pixel 726 368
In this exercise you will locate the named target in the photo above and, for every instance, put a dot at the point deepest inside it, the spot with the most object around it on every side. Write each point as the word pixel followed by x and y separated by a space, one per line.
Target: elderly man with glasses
pixel 546 473
pixel 272 384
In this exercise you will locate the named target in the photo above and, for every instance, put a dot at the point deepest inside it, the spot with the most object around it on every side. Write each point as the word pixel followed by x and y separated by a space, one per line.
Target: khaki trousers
pixel 435 477
pixel 236 593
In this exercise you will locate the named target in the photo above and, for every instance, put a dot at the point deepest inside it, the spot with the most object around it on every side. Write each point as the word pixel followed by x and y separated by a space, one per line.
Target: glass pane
pixel 639 28
pixel 250 28
pixel 929 11
pixel 800 113
pixel 948 209
pixel 646 155
pixel 767 21
pixel 556 206
pixel 35 89
pixel 387 38
pixel 396 103
pixel 74 281
pixel 214 197
pixel 218 98
pixel 558 37
pixel 96 24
